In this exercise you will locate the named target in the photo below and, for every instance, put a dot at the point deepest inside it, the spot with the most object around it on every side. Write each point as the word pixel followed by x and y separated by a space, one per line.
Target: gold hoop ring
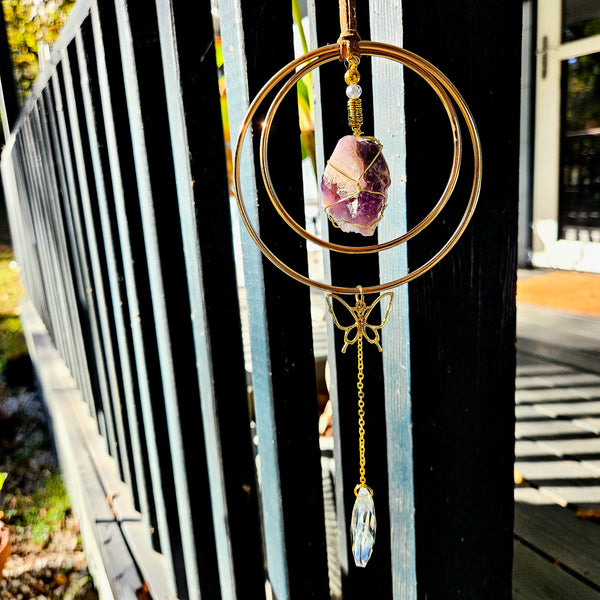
pixel 450 185
pixel 392 53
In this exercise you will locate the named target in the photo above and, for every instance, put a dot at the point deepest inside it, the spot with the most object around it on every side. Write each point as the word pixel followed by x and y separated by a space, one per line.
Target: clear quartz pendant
pixel 363 527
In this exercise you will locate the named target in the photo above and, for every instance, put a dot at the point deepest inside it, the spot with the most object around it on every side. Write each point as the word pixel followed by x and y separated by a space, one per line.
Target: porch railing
pixel 116 180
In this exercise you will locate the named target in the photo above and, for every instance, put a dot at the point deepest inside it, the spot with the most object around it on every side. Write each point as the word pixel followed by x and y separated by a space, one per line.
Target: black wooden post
pixel 462 319
pixel 353 270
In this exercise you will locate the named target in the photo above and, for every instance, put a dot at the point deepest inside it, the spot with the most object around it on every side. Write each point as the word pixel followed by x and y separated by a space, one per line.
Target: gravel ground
pixel 47 560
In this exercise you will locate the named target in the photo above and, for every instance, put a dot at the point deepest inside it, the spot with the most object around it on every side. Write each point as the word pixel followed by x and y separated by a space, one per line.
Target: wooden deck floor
pixel 557 502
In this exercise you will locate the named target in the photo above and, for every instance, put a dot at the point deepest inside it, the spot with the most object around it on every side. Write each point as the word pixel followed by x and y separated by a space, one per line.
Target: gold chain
pixel 361 413
pixel 354 334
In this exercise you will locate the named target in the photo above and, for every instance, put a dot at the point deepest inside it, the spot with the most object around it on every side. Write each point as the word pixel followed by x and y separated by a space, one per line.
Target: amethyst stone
pixel 355 184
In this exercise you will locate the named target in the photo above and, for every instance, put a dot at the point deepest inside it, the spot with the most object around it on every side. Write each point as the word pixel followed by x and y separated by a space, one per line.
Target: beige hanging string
pixel 349 38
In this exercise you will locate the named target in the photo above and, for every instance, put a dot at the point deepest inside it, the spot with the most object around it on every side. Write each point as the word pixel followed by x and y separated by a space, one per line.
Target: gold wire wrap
pixel 445 90
pixel 355 116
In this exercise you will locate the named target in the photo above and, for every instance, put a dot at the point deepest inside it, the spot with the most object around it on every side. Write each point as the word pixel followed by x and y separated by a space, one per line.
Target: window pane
pixel 580 149
pixel 581 18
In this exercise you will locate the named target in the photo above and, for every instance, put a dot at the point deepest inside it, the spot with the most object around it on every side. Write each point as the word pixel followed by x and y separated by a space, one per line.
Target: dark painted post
pixel 463 311
pixel 376 579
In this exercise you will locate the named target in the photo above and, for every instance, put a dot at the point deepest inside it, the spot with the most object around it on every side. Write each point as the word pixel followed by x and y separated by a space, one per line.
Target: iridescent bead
pixel 353 91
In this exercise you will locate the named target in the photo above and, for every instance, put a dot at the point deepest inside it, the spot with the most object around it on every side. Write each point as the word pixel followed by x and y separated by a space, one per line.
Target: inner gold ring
pixel 422 67
pixel 264 163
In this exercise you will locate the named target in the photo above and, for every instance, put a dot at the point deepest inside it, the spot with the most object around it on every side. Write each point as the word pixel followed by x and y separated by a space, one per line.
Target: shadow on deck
pixel 557 462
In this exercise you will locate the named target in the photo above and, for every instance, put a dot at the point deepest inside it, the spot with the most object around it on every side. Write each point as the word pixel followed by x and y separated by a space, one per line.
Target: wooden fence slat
pixel 238 101
pixel 124 194
pixel 40 198
pixel 389 118
pixel 342 555
pixel 185 196
pixel 111 396
pixel 203 198
pixel 97 141
pixel 61 283
pixel 71 258
pixel 77 240
pixel 279 317
pixel 27 220
pixel 11 195
pixel 32 189
pixel 185 573
pixel 148 119
pixel 78 364
pixel 88 54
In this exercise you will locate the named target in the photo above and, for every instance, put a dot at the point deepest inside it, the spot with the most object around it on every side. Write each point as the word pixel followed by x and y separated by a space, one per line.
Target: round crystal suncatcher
pixel 363 525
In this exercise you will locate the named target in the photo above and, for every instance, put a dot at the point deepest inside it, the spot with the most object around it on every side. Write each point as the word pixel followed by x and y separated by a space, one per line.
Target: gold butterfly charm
pixel 360 313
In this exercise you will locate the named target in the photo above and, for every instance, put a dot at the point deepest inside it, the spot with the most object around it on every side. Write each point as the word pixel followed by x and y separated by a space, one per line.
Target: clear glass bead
pixel 353 91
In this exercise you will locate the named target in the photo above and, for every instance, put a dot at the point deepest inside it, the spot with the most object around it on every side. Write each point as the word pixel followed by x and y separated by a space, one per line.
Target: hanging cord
pixel 349 38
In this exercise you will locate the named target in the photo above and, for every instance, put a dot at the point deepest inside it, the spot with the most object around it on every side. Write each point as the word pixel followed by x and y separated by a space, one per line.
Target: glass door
pixel 566 214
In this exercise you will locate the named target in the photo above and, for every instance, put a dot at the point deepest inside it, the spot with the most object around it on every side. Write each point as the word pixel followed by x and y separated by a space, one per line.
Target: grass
pixel 41 513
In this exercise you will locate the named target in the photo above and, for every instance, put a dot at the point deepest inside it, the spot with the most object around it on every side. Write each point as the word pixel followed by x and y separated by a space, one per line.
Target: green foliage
pixel 29 23
pixel 3 477
pixel 582 99
pixel 305 99
pixel 43 512
pixel 12 341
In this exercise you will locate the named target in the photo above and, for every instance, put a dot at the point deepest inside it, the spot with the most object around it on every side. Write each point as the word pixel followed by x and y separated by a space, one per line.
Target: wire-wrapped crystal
pixel 355 184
